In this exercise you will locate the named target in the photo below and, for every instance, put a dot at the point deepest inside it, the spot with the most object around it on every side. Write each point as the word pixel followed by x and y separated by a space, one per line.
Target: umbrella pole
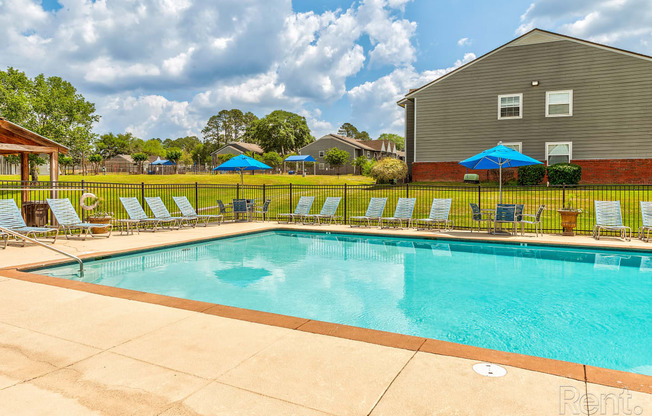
pixel 500 182
pixel 241 177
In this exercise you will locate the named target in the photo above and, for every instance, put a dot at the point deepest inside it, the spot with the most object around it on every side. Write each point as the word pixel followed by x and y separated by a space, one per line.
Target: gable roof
pixel 243 147
pixel 358 144
pixel 531 37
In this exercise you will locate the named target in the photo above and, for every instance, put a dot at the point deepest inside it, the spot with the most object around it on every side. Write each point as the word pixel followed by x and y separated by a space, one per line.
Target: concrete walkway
pixel 67 352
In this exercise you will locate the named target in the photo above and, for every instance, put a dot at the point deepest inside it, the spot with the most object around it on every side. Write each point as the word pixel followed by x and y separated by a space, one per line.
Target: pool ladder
pixel 49 247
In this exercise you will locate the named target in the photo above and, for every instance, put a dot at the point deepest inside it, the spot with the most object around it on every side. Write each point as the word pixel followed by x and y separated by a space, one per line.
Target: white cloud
pixel 622 23
pixel 463 42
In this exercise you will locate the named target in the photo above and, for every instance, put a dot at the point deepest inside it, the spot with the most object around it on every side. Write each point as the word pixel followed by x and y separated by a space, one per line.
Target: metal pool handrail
pixel 19 235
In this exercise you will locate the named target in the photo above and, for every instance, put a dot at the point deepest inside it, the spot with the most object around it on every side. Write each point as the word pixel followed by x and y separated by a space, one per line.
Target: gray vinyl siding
pixel 409 134
pixel 228 150
pixel 325 143
pixel 612 104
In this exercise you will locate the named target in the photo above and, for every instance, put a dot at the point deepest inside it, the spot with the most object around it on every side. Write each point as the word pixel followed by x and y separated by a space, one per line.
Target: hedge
pixel 531 175
pixel 564 173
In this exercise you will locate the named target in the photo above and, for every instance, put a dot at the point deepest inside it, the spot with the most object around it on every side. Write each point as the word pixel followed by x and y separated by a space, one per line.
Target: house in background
pixel 550 96
pixel 125 164
pixel 235 148
pixel 371 149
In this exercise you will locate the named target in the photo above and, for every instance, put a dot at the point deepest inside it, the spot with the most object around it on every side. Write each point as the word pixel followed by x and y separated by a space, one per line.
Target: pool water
pixel 585 306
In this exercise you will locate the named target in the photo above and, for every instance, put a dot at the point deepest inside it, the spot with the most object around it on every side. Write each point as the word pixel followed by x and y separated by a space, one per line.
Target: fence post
pixel 479 196
pixel 237 191
pixel 407 190
pixel 83 211
pixel 264 199
pixel 291 196
pixel 196 197
pixel 142 193
pixel 345 210
pixel 563 195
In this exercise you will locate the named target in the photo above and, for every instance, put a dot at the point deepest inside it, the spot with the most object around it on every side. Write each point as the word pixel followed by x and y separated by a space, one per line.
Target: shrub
pixel 389 170
pixel 366 170
pixel 508 175
pixel 531 175
pixel 564 173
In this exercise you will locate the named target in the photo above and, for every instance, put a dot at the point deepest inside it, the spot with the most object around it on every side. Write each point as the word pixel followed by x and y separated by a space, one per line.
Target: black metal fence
pixel 354 198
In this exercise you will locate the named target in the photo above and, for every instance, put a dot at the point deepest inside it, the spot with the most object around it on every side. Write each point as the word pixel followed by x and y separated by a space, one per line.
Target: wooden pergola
pixel 16 140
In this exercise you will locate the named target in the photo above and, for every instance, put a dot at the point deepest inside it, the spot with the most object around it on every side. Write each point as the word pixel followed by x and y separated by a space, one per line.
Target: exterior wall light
pixel 535 83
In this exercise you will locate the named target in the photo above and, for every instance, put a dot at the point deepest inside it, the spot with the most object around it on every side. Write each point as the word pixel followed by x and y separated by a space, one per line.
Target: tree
pixel 281 131
pixel 34 162
pixel 50 107
pixel 363 135
pixel 110 145
pixel 95 159
pixel 360 162
pixel 228 126
pixel 139 158
pixel 337 158
pixel 273 160
pixel 174 154
pixel 65 161
pixel 389 170
pixel 348 130
pixel 154 147
pixel 399 141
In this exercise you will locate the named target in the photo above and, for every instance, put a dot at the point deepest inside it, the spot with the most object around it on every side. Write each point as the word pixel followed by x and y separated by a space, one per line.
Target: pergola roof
pixel 15 139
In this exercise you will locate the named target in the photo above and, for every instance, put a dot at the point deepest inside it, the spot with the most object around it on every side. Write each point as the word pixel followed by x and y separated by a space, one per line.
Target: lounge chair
pixel 68 219
pixel 508 214
pixel 263 211
pixel 302 208
pixel 240 207
pixel 439 212
pixel 609 217
pixel 5 237
pixel 374 213
pixel 646 213
pixel 403 212
pixel 224 210
pixel 327 212
pixel 158 208
pixel 532 220
pixel 188 211
pixel 11 219
pixel 481 215
pixel 138 216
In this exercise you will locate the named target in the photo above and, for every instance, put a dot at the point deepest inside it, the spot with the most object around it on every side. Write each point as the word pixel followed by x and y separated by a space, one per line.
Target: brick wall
pixel 599 171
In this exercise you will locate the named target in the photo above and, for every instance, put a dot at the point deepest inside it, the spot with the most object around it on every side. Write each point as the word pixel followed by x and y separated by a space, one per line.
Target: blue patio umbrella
pixel 496 158
pixel 241 163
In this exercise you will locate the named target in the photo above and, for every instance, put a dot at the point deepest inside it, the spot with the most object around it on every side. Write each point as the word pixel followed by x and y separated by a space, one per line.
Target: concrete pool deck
pixel 73 352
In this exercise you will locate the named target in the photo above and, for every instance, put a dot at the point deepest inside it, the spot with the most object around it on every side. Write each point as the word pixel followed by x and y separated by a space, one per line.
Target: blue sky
pixel 161 68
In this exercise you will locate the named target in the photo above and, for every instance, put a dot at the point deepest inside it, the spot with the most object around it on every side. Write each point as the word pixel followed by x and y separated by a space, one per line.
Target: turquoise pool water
pixel 584 306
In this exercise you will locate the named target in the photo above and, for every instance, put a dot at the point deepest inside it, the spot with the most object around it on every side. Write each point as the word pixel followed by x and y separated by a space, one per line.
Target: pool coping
pixel 576 371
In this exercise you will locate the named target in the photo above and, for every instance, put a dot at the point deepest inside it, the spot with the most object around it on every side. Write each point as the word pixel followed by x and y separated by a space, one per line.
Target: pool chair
pixel 439 212
pixel 302 208
pixel 374 213
pixel 263 211
pixel 5 237
pixel 508 214
pixel 327 212
pixel 160 211
pixel 224 210
pixel 608 217
pixel 403 212
pixel 69 221
pixel 240 207
pixel 532 220
pixel 189 212
pixel 646 213
pixel 11 219
pixel 137 216
pixel 481 215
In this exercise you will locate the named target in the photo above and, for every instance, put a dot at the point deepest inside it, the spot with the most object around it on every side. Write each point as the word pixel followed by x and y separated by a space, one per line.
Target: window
pixel 321 153
pixel 321 165
pixel 510 106
pixel 559 103
pixel 368 155
pixel 514 145
pixel 559 152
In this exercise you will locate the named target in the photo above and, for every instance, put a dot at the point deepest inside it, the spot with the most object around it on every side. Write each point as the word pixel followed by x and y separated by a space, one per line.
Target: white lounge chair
pixel 188 211
pixel 646 214
pixel 374 213
pixel 11 219
pixel 403 212
pixel 327 212
pixel 68 219
pixel 439 212
pixel 609 217
pixel 302 208
pixel 160 211
pixel 137 215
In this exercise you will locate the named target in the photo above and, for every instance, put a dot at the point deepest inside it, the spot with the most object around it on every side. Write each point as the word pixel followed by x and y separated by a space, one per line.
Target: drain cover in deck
pixel 489 370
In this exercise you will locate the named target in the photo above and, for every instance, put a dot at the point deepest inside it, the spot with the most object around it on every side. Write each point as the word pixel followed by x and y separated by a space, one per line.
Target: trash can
pixel 36 213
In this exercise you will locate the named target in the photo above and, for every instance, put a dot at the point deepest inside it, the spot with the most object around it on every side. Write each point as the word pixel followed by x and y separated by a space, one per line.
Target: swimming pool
pixel 579 305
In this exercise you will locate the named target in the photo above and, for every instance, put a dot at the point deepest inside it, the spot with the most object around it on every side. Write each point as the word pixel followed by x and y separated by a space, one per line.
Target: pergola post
pixel 24 176
pixel 54 173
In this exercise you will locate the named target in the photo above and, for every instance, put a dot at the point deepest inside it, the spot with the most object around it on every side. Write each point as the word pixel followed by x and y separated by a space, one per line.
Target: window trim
pixel 322 153
pixel 322 166
pixel 520 113
pixel 570 103
pixel 520 145
pixel 570 150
